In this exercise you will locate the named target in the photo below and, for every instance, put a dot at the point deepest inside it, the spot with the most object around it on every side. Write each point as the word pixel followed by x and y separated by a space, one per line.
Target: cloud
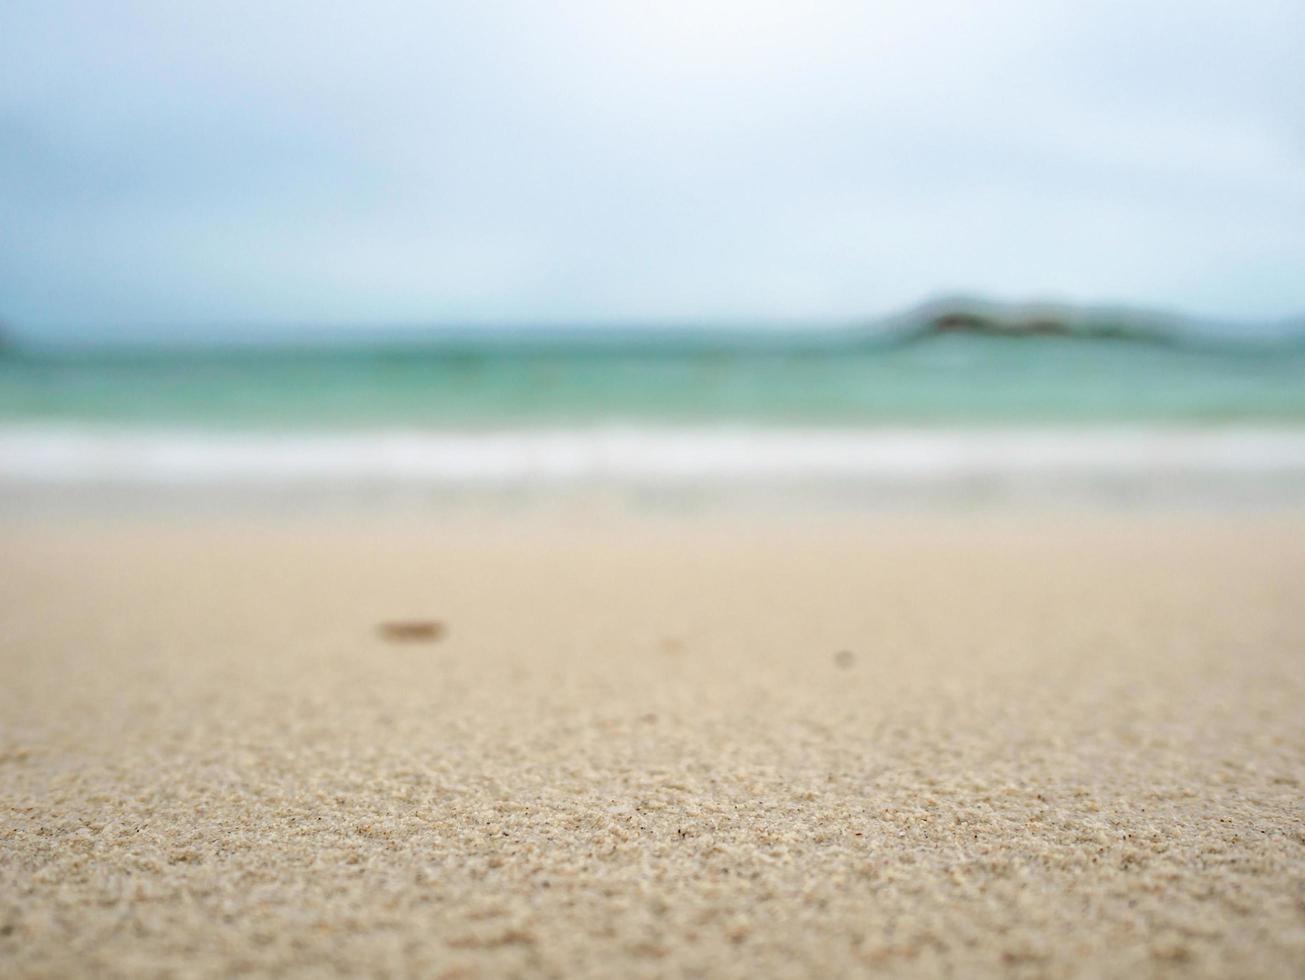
pixel 182 165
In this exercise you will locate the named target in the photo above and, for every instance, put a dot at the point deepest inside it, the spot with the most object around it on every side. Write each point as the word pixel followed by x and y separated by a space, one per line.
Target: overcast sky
pixel 185 165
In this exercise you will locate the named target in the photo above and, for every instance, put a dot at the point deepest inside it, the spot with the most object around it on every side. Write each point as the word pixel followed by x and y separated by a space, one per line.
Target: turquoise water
pixel 950 381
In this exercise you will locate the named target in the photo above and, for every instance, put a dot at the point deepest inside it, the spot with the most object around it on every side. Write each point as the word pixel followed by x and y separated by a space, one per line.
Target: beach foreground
pixel 653 746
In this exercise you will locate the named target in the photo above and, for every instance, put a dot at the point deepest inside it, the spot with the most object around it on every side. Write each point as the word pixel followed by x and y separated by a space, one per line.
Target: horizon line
pixel 1156 323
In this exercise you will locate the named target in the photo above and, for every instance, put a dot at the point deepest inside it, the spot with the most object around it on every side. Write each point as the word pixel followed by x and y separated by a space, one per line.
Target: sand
pixel 961 746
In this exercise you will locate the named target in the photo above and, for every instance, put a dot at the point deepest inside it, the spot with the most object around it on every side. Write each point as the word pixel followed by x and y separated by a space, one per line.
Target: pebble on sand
pixel 411 630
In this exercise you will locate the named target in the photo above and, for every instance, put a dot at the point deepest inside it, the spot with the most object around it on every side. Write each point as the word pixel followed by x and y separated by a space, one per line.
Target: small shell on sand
pixel 411 630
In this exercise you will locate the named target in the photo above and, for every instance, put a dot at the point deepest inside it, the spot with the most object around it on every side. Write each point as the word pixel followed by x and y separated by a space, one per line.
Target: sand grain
pixel 1058 749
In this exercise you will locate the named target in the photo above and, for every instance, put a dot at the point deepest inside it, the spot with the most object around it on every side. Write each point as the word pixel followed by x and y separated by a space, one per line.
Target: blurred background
pixel 880 253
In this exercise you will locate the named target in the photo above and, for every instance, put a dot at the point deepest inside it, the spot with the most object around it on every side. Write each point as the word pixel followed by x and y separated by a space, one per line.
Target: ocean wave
pixel 665 456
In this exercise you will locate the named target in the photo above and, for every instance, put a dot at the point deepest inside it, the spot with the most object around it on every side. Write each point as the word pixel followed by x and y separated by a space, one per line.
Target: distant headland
pixel 1042 322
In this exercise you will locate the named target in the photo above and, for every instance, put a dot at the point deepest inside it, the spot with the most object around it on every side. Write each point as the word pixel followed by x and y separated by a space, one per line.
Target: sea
pixel 968 418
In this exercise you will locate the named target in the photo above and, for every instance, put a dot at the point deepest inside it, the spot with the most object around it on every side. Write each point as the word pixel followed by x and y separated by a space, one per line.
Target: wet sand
pixel 972 746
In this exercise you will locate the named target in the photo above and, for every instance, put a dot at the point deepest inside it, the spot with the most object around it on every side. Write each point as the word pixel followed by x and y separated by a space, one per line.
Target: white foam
pixel 684 456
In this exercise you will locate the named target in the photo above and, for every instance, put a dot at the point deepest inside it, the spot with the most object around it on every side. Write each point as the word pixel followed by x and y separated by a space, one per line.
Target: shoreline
pixel 1112 468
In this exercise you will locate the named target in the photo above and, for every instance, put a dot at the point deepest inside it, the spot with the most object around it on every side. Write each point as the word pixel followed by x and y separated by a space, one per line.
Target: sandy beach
pixel 849 745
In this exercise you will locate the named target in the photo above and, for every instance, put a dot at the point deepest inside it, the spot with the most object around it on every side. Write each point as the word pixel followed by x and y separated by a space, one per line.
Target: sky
pixel 184 167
